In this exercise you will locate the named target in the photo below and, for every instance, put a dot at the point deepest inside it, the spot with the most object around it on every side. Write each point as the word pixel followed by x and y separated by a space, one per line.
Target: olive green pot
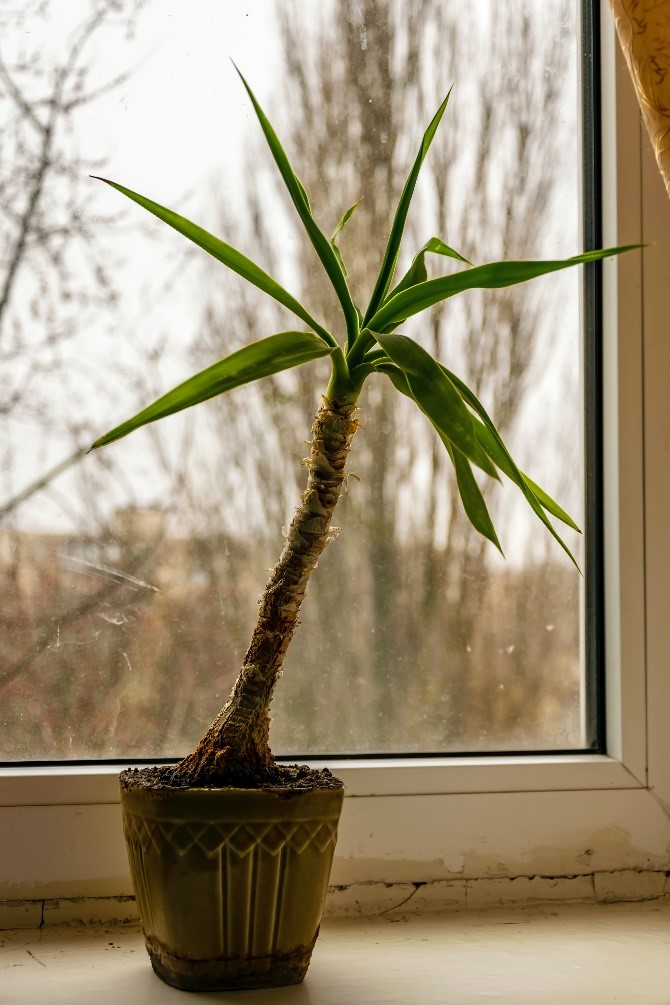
pixel 230 883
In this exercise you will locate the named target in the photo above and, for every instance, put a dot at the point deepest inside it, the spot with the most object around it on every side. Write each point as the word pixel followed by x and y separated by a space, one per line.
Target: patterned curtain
pixel 643 27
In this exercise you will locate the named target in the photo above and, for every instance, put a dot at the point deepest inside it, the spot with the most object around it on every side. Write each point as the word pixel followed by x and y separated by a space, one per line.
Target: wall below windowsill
pixel 589 953
pixel 369 900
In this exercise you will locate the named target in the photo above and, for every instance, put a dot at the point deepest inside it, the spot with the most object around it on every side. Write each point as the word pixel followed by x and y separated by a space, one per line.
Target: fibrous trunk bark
pixel 235 750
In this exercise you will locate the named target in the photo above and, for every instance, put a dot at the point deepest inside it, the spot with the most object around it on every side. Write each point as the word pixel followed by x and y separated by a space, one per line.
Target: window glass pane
pixel 129 580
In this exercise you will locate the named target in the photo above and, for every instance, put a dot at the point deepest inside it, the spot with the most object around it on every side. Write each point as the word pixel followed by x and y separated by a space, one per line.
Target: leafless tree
pixel 436 647
pixel 422 587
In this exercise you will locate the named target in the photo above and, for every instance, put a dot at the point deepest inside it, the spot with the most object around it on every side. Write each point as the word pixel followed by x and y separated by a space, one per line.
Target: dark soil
pixel 286 778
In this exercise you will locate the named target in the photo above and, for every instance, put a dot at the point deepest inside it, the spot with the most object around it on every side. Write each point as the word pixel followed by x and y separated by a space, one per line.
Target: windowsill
pixel 577 953
pixel 77 784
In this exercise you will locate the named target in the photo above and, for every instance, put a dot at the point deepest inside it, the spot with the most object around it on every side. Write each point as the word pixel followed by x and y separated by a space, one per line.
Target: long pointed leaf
pixel 320 242
pixel 390 259
pixel 260 359
pixel 437 397
pixel 338 230
pixel 502 454
pixel 417 271
pixel 470 493
pixel 345 220
pixel 514 473
pixel 473 501
pixel 338 256
pixel 396 376
pixel 550 504
pixel 499 457
pixel 226 254
pixel 495 275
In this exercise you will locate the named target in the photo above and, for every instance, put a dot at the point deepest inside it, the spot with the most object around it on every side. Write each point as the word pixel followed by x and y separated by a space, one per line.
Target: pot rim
pixel 130 780
pixel 262 805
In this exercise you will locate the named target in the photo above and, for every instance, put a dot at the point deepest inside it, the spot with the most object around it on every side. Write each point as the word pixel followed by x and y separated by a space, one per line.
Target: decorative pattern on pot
pixel 240 838
pixel 229 897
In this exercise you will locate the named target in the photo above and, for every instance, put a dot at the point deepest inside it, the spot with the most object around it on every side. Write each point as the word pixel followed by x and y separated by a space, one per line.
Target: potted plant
pixel 230 852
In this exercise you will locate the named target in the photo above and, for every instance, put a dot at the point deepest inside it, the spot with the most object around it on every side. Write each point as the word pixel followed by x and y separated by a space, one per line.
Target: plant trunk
pixel 235 749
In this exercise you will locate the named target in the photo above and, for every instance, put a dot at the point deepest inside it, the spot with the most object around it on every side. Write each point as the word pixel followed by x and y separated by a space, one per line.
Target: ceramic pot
pixel 230 883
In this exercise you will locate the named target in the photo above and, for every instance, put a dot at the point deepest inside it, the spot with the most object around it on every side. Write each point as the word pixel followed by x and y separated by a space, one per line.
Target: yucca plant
pixel 235 749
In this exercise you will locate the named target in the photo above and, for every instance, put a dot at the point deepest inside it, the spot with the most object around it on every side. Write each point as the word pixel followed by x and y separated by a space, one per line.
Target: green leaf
pixel 499 457
pixel 260 359
pixel 495 275
pixel 417 271
pixel 320 242
pixel 436 246
pixel 224 253
pixel 301 187
pixel 387 269
pixel 473 501
pixel 469 491
pixel 550 504
pixel 513 473
pixel 396 376
pixel 508 466
pixel 435 395
pixel 333 240
pixel 338 256
pixel 345 219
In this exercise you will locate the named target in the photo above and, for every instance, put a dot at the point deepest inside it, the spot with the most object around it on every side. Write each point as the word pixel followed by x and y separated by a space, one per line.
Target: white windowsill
pixel 86 784
pixel 578 954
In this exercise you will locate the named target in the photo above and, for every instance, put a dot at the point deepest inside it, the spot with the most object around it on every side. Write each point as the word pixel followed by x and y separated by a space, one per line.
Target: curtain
pixel 643 27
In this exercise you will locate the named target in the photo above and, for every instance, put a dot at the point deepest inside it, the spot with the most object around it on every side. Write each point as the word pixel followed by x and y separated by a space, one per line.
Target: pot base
pixel 226 974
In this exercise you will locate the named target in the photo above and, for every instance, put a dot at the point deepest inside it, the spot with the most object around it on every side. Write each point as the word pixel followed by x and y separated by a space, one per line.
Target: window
pixel 441 818
pixel 133 576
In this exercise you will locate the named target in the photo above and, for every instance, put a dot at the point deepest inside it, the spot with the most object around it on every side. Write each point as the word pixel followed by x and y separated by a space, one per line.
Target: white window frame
pixel 441 818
